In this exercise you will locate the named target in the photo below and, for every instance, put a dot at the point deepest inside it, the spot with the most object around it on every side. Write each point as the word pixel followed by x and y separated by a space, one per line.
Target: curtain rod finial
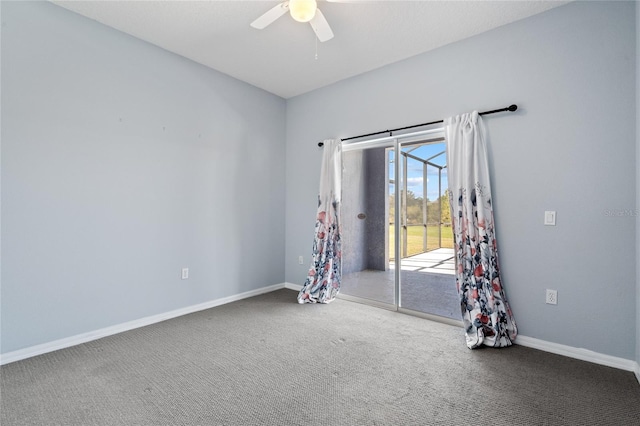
pixel 320 144
pixel 513 107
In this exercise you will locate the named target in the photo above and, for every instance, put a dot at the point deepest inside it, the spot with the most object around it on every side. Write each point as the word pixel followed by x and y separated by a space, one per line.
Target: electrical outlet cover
pixel 552 297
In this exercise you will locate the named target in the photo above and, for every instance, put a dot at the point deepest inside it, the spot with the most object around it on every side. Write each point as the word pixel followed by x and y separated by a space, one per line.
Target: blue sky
pixel 414 170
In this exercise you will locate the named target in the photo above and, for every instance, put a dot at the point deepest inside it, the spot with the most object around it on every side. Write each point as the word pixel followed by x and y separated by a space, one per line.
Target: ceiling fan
pixel 301 11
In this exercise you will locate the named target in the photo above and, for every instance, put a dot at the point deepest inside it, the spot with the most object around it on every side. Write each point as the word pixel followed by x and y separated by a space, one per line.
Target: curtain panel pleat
pixel 486 314
pixel 323 280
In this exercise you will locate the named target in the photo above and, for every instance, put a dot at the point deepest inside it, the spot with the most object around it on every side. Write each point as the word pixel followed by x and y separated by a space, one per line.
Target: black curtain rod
pixel 509 108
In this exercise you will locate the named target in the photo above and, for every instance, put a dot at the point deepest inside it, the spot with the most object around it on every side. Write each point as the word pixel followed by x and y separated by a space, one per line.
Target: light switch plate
pixel 550 218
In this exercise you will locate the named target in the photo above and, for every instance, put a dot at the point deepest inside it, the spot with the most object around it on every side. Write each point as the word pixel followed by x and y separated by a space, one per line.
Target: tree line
pixel 415 206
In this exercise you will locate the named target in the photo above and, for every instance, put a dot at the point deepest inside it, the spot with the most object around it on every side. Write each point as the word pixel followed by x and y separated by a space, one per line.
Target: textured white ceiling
pixel 281 57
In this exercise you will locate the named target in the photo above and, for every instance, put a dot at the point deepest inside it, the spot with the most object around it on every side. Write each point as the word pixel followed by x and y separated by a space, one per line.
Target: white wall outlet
pixel 185 273
pixel 300 260
pixel 552 297
pixel 550 218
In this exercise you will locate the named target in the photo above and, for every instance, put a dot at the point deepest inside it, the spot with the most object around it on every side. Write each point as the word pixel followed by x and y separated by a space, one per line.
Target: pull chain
pixel 316 48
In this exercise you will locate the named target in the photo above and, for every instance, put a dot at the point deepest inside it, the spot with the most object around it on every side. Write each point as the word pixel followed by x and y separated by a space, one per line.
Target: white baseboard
pixel 130 325
pixel 292 286
pixel 568 351
pixel 579 353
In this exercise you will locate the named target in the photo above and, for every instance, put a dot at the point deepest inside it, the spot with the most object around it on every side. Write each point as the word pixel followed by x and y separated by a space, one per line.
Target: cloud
pixel 415 181
pixel 414 184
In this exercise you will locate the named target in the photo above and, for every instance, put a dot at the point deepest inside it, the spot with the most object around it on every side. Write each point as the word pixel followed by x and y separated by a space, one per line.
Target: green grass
pixel 415 239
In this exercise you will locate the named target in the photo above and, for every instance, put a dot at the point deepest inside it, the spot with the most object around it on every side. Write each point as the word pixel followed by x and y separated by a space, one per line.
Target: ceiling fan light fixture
pixel 302 10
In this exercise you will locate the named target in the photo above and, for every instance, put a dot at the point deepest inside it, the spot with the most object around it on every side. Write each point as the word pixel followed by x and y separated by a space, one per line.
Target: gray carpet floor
pixel 269 361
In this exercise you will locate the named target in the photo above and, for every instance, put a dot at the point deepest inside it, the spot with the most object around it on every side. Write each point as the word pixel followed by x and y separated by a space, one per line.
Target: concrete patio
pixel 438 261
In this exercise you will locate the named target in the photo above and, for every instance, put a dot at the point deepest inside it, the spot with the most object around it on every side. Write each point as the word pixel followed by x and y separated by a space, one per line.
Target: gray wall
pixel 354 202
pixel 570 148
pixel 121 164
pixel 364 241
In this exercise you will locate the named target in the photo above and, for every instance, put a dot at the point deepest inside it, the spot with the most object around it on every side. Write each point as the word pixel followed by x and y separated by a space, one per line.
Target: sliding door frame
pixel 397 142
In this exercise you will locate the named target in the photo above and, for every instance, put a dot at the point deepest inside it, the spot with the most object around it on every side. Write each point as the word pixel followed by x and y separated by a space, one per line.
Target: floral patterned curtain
pixel 323 280
pixel 485 311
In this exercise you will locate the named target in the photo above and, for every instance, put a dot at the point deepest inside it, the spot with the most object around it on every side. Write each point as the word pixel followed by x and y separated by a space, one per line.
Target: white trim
pixel 292 286
pixel 579 353
pixel 568 351
pixel 130 325
pixel 390 140
pixel 368 302
pixel 431 317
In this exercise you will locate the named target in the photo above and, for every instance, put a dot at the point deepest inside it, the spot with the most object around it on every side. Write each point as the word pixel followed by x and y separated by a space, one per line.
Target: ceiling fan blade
pixel 271 15
pixel 321 27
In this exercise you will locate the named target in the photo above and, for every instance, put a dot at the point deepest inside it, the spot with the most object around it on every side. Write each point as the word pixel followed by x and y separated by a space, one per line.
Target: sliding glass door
pixel 426 262
pixel 397 245
pixel 366 271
